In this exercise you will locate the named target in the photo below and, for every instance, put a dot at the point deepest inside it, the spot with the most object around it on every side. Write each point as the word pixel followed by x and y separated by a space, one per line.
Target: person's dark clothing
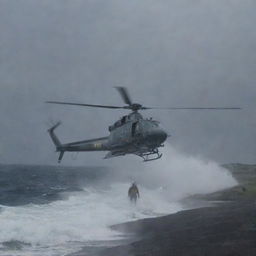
pixel 133 193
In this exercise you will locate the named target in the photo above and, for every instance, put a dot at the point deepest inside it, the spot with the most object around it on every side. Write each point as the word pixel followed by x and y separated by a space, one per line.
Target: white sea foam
pixel 83 217
pixel 64 226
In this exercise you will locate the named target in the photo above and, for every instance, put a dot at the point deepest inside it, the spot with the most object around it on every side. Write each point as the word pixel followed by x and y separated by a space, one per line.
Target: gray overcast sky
pixel 168 53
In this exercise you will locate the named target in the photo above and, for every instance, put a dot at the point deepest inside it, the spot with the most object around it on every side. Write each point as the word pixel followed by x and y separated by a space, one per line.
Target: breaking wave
pixel 55 210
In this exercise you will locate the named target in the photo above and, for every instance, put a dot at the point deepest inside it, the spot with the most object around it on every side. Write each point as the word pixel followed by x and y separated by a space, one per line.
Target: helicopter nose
pixel 157 136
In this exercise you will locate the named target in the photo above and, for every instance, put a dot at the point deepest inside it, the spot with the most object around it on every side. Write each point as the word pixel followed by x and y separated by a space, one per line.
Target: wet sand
pixel 228 229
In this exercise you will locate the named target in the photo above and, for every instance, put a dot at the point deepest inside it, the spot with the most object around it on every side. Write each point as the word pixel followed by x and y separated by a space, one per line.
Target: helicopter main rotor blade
pixel 196 108
pixel 124 94
pixel 83 105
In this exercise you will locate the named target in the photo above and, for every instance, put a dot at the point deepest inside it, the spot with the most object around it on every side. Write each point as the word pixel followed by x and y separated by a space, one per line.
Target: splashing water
pixel 83 217
pixel 177 174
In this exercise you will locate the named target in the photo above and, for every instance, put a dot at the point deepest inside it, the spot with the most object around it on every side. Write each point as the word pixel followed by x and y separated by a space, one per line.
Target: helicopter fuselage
pixel 135 134
pixel 132 134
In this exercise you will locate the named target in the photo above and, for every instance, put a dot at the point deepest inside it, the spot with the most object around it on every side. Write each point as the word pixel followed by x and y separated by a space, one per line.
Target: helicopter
pixel 131 134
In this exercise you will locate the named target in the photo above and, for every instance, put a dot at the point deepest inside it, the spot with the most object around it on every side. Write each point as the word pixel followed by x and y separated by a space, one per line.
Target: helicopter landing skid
pixel 146 156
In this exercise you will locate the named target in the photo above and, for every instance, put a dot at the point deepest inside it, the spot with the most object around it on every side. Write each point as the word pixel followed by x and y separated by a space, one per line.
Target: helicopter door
pixel 134 126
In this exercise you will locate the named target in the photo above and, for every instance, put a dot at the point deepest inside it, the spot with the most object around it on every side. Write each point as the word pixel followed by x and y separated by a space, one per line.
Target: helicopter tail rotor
pixel 56 141
pixel 53 136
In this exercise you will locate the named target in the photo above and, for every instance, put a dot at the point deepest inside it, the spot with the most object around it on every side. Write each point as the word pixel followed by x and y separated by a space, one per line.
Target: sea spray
pixel 81 219
pixel 176 173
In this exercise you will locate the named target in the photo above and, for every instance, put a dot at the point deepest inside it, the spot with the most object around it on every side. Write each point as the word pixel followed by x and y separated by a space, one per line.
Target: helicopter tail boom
pixel 97 144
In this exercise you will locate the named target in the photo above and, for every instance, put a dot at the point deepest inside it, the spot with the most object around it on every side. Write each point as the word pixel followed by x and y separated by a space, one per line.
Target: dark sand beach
pixel 228 228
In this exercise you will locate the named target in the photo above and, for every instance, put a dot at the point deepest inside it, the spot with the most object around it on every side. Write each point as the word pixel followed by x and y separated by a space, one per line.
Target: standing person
pixel 133 193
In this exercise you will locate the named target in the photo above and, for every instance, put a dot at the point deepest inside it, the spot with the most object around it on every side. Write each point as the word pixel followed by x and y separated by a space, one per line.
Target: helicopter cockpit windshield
pixel 158 124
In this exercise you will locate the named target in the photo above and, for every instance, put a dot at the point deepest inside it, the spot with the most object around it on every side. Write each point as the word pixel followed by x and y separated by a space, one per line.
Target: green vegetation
pixel 246 190
pixel 246 176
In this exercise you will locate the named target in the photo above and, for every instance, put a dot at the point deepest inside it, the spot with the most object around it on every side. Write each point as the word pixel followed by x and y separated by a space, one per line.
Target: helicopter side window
pixel 123 120
pixel 134 126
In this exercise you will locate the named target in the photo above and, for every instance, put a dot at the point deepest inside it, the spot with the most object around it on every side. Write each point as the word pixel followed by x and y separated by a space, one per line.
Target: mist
pixel 167 53
pixel 176 175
